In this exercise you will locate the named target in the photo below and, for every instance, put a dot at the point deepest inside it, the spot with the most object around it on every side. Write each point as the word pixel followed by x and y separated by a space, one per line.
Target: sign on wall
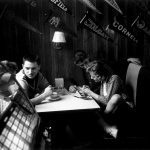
pixel 56 22
pixel 90 23
pixel 61 5
pixel 121 28
pixel 141 24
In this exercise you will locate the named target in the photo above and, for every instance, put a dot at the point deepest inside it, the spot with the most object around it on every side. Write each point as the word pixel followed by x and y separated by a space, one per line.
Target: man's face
pixel 83 64
pixel 31 69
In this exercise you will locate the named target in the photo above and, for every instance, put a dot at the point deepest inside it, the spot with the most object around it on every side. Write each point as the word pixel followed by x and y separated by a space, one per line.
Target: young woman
pixel 111 94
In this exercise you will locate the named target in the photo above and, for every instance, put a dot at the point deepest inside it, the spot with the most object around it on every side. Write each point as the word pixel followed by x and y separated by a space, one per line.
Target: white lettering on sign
pixel 89 23
pixel 54 21
pixel 124 30
pixel 59 4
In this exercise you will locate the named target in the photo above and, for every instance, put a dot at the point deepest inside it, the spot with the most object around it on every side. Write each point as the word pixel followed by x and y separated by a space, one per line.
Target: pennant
pixel 90 23
pixel 33 3
pixel 119 26
pixel 56 22
pixel 141 24
pixel 61 5
pixel 141 4
pixel 3 11
pixel 90 5
pixel 10 16
pixel 110 32
pixel 114 5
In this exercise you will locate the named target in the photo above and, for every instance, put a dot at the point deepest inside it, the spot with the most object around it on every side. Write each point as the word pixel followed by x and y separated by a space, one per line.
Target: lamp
pixel 59 40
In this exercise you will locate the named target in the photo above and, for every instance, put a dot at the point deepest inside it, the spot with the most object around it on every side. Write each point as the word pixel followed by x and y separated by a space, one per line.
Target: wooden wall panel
pixel 16 40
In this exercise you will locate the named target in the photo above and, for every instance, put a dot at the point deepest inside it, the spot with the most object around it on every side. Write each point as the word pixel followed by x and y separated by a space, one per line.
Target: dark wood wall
pixel 17 38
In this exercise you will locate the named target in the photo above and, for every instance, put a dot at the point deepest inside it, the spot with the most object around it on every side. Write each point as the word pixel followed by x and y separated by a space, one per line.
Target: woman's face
pixel 95 76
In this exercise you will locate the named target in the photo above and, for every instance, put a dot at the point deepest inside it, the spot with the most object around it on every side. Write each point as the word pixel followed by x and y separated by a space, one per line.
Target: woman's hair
pixel 99 68
pixel 31 58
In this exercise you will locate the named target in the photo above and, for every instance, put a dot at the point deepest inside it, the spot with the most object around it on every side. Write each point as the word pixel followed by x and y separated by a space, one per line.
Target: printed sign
pixel 90 23
pixel 120 27
pixel 56 22
pixel 33 3
pixel 141 24
pixel 61 5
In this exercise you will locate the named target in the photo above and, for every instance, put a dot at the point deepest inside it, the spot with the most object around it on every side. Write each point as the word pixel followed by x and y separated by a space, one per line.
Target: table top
pixel 67 102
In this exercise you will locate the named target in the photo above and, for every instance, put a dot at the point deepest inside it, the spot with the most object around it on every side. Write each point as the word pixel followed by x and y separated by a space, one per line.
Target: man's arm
pixel 47 92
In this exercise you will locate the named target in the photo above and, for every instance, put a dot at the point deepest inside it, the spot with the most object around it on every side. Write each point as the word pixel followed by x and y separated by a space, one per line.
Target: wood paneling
pixel 16 40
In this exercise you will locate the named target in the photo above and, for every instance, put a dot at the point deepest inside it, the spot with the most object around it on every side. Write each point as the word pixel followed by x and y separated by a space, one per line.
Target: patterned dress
pixel 113 85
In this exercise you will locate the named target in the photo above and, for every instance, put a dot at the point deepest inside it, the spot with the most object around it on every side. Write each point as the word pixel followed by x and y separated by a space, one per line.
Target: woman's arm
pixel 100 99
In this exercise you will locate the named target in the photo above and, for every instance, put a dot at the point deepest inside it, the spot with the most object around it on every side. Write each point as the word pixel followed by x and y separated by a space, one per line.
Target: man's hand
pixel 73 88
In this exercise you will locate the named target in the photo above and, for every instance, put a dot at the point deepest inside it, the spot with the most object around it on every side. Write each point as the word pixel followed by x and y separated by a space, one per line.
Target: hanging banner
pixel 90 5
pixel 120 27
pixel 110 32
pixel 33 3
pixel 90 23
pixel 54 20
pixel 61 5
pixel 114 5
pixel 10 16
pixel 141 24
pixel 142 5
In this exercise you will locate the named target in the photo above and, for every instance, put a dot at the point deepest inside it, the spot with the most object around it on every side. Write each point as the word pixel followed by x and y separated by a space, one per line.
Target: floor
pixel 104 144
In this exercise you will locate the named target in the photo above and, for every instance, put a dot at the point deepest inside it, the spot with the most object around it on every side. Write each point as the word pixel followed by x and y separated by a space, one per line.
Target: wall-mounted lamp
pixel 59 40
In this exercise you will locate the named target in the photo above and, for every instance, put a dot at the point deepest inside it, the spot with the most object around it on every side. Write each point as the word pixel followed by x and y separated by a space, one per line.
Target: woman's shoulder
pixel 114 77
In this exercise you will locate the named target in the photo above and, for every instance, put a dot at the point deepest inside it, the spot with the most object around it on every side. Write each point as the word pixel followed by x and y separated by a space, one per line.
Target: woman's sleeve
pixel 115 86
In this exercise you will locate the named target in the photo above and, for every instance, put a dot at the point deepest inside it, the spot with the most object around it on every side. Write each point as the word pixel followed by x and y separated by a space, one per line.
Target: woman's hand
pixel 86 90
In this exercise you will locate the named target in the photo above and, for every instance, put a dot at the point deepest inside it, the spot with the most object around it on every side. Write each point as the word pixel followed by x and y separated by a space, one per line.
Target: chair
pixel 131 80
pixel 137 85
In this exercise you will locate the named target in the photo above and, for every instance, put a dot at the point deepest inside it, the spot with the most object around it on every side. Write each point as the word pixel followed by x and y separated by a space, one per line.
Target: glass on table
pixel 59 83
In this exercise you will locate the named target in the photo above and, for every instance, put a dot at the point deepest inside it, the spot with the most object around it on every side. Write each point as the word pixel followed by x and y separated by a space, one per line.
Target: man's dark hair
pixel 80 56
pixel 31 58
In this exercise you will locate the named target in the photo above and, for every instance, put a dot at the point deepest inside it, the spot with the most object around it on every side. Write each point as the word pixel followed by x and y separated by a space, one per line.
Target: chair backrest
pixel 19 124
pixel 131 80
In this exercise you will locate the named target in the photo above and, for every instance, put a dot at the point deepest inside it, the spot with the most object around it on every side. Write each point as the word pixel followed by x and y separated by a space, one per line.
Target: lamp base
pixel 58 46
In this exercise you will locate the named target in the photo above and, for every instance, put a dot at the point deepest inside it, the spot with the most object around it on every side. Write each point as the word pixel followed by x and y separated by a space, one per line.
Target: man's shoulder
pixel 40 75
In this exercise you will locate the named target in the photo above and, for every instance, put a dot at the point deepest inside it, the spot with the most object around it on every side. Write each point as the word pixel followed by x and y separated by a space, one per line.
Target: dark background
pixel 16 40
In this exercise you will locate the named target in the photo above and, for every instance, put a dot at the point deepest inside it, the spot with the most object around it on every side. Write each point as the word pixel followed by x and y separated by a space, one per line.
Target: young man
pixel 32 81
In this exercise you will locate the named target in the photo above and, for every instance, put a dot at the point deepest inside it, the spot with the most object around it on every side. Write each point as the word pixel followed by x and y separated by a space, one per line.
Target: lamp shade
pixel 59 37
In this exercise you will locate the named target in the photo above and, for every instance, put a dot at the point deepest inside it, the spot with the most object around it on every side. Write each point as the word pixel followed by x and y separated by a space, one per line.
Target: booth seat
pixel 137 81
pixel 132 80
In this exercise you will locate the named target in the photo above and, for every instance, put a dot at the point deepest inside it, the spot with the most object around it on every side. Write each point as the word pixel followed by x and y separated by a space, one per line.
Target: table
pixel 68 102
pixel 69 112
